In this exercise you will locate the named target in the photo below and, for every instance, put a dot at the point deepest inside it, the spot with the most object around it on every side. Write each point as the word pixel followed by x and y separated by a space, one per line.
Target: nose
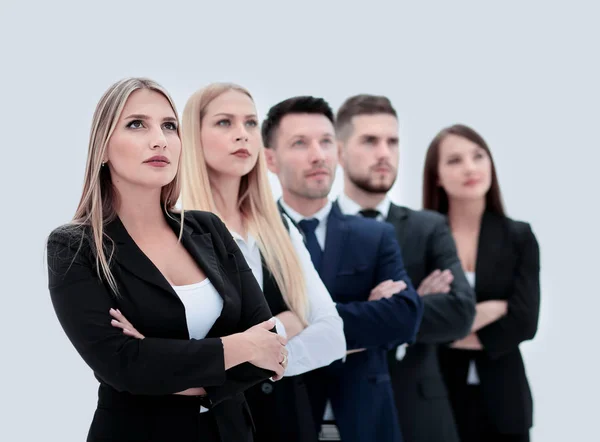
pixel 316 152
pixel 382 150
pixel 159 141
pixel 241 134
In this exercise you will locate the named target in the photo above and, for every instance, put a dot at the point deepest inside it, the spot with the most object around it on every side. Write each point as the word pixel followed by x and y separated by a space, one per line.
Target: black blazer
pixel 419 390
pixel 167 361
pixel 507 267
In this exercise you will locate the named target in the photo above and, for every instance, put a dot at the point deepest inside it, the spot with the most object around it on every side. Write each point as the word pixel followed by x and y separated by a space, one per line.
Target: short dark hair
pixel 296 105
pixel 434 196
pixel 363 104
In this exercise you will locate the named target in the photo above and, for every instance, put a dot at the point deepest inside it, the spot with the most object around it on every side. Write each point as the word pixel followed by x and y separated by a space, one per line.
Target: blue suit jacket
pixel 359 254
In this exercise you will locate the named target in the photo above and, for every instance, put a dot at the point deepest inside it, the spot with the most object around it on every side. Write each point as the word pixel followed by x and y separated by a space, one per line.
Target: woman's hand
pixel 120 321
pixel 267 349
pixel 292 323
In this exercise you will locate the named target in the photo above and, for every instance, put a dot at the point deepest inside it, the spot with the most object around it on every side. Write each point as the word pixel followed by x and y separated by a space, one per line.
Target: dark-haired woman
pixel 484 372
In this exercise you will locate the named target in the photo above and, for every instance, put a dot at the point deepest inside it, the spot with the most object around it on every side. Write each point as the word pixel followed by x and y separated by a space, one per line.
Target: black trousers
pixel 123 418
pixel 473 423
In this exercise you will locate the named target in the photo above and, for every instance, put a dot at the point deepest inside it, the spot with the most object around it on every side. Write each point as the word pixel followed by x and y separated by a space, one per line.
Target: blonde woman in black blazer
pixel 484 371
pixel 128 253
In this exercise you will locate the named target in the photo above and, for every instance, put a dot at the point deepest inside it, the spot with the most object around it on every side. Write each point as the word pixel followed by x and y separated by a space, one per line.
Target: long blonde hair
pixel 99 199
pixel 255 200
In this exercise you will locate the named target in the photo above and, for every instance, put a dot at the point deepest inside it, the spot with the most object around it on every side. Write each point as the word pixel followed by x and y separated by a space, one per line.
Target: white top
pixel 203 306
pixel 321 216
pixel 351 207
pixel 323 340
pixel 472 375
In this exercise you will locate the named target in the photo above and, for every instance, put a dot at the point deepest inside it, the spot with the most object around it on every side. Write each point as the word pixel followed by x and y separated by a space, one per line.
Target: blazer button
pixel 267 388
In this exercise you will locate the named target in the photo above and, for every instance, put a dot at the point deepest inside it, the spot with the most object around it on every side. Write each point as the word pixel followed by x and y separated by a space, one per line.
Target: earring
pixel 103 164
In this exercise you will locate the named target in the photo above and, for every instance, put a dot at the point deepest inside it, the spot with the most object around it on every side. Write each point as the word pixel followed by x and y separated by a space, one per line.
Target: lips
pixel 318 173
pixel 158 159
pixel 472 182
pixel 241 153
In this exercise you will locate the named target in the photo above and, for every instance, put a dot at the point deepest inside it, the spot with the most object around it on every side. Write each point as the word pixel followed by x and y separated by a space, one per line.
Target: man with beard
pixel 367 130
pixel 360 263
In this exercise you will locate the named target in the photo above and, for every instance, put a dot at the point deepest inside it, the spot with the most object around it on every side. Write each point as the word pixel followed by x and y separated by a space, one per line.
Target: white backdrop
pixel 521 73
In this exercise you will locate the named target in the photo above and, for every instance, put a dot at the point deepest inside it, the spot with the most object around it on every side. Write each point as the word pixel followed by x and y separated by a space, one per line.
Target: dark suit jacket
pixel 507 268
pixel 133 371
pixel 419 390
pixel 359 254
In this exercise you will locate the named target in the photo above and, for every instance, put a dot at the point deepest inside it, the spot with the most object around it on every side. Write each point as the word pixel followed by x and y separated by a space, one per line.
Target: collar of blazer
pixel 197 241
pixel 397 213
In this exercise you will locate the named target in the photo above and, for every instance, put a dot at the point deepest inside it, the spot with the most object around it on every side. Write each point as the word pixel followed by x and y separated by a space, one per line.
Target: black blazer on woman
pixel 138 377
pixel 507 268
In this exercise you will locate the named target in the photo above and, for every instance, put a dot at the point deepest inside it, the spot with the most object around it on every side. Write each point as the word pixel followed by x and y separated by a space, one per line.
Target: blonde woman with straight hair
pixel 225 172
pixel 204 331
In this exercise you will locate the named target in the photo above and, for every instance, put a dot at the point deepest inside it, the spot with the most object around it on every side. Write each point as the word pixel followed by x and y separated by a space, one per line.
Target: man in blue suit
pixel 360 262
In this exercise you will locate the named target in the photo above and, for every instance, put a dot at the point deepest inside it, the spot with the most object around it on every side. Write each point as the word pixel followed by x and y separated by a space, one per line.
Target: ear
pixel 271 160
pixel 341 154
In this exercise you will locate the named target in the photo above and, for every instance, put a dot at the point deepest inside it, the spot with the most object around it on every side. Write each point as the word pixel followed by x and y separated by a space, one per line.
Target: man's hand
pixel 437 282
pixel 291 322
pixel 387 289
pixel 470 342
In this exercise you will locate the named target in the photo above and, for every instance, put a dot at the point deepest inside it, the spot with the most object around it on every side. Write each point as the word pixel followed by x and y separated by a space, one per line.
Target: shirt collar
pixel 321 215
pixel 351 207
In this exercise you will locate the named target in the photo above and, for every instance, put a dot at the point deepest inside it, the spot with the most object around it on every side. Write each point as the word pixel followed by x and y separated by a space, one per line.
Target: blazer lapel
pixel 131 257
pixel 487 250
pixel 200 246
pixel 397 216
pixel 334 245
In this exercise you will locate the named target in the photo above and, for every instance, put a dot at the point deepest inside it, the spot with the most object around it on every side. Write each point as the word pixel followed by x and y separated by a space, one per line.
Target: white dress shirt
pixel 323 340
pixel 321 216
pixel 320 233
pixel 351 207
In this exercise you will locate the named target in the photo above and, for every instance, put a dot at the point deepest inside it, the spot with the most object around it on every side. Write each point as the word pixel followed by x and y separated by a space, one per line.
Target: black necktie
pixel 370 213
pixel 309 226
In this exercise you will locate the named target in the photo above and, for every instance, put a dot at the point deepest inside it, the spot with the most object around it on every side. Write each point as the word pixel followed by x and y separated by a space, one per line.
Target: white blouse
pixel 203 306
pixel 472 376
pixel 322 341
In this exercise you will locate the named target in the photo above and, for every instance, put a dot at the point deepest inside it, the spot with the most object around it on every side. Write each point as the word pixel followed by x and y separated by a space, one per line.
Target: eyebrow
pixel 146 117
pixel 365 136
pixel 326 134
pixel 225 114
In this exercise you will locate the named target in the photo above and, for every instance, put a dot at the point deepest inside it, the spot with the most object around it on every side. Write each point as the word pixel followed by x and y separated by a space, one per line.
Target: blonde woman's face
pixel 145 148
pixel 230 135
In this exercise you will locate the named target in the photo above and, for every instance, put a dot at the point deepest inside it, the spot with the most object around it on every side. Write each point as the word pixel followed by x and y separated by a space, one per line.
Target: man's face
pixel 304 155
pixel 370 155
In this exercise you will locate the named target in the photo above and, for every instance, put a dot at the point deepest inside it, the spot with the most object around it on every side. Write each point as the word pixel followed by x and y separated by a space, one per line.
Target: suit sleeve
pixel 446 316
pixel 386 322
pixel 151 366
pixel 521 321
pixel 254 311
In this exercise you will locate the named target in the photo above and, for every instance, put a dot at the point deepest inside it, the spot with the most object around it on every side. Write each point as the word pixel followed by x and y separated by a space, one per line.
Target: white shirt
pixel 203 306
pixel 323 340
pixel 320 233
pixel 351 207
pixel 321 216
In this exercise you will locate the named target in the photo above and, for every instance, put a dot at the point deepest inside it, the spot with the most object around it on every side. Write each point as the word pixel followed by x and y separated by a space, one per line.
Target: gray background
pixel 524 74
